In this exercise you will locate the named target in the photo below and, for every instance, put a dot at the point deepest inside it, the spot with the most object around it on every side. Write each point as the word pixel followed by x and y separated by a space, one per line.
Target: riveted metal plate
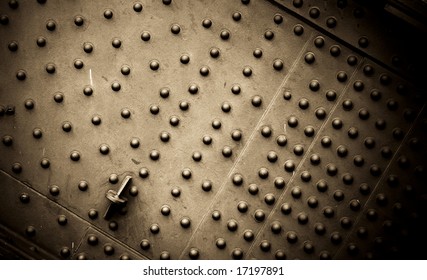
pixel 250 129
pixel 352 22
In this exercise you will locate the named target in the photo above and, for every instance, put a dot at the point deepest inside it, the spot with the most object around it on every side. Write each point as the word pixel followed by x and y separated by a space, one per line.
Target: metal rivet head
pixel 145 244
pixel 174 121
pixel 185 222
pixel 154 65
pixel 253 189
pixel 291 237
pixel 247 71
pixel 93 214
pixel 214 52
pixel 137 7
pixel 275 227
pixel 237 179
pixel 54 190
pixel 104 149
pixel 242 206
pixel 269 199
pixel 216 215
pixel 175 192
pixel 78 64
pixel 185 59
pixel 232 225
pixel 144 173
pixel 30 231
pixel 108 249
pixel 24 198
pixel 165 210
pixel 7 140
pixel 227 151
pixel 193 254
pixel 13 46
pixel 154 228
pixel 51 25
pixel 133 191
pixel 237 254
pixel 278 64
pixel 21 75
pixel 259 215
pixel 154 155
pixel 265 246
pixel 207 186
pixel 88 91
pixel 134 143
pixel 113 225
pixel 165 255
pixel 298 29
pixel 186 173
pixel 62 220
pixel 184 105
pixel 225 34
pixel 335 50
pixel 220 243
pixel 164 136
pixel 125 113
pixel 175 29
pixel 248 235
pixel 65 252
pixel 207 23
pixel 319 42
pixel 145 36
pixel 309 58
pixel 83 186
pixel 50 68
pixel 108 14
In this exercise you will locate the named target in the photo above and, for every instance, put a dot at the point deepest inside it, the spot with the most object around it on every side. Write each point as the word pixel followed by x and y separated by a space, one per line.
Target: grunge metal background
pixel 244 129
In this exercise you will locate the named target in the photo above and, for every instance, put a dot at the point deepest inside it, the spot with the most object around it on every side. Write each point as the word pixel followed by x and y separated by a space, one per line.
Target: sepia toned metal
pixel 244 129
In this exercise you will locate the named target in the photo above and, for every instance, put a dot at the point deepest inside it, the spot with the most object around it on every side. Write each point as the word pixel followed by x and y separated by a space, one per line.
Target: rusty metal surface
pixel 250 129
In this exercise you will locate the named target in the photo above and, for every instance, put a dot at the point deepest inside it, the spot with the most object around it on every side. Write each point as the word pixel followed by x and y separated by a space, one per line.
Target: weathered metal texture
pixel 250 130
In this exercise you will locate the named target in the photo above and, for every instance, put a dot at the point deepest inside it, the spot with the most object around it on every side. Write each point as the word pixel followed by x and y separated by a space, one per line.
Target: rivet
pixel 62 220
pixel 154 65
pixel 185 59
pixel 225 34
pixel 257 53
pixel 193 254
pixel 108 14
pixel 186 173
pixel 298 29
pixel 50 25
pixel 50 68
pixel 154 228
pixel 259 215
pixel 216 215
pixel 83 186
pixel 93 214
pixel 286 209
pixel 108 249
pixel 24 198
pixel 137 7
pixel 65 252
pixel 175 192
pixel 207 23
pixel 165 255
pixel 30 231
pixel 145 244
pixel 175 29
pixel 207 186
pixel 185 222
pixel 45 163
